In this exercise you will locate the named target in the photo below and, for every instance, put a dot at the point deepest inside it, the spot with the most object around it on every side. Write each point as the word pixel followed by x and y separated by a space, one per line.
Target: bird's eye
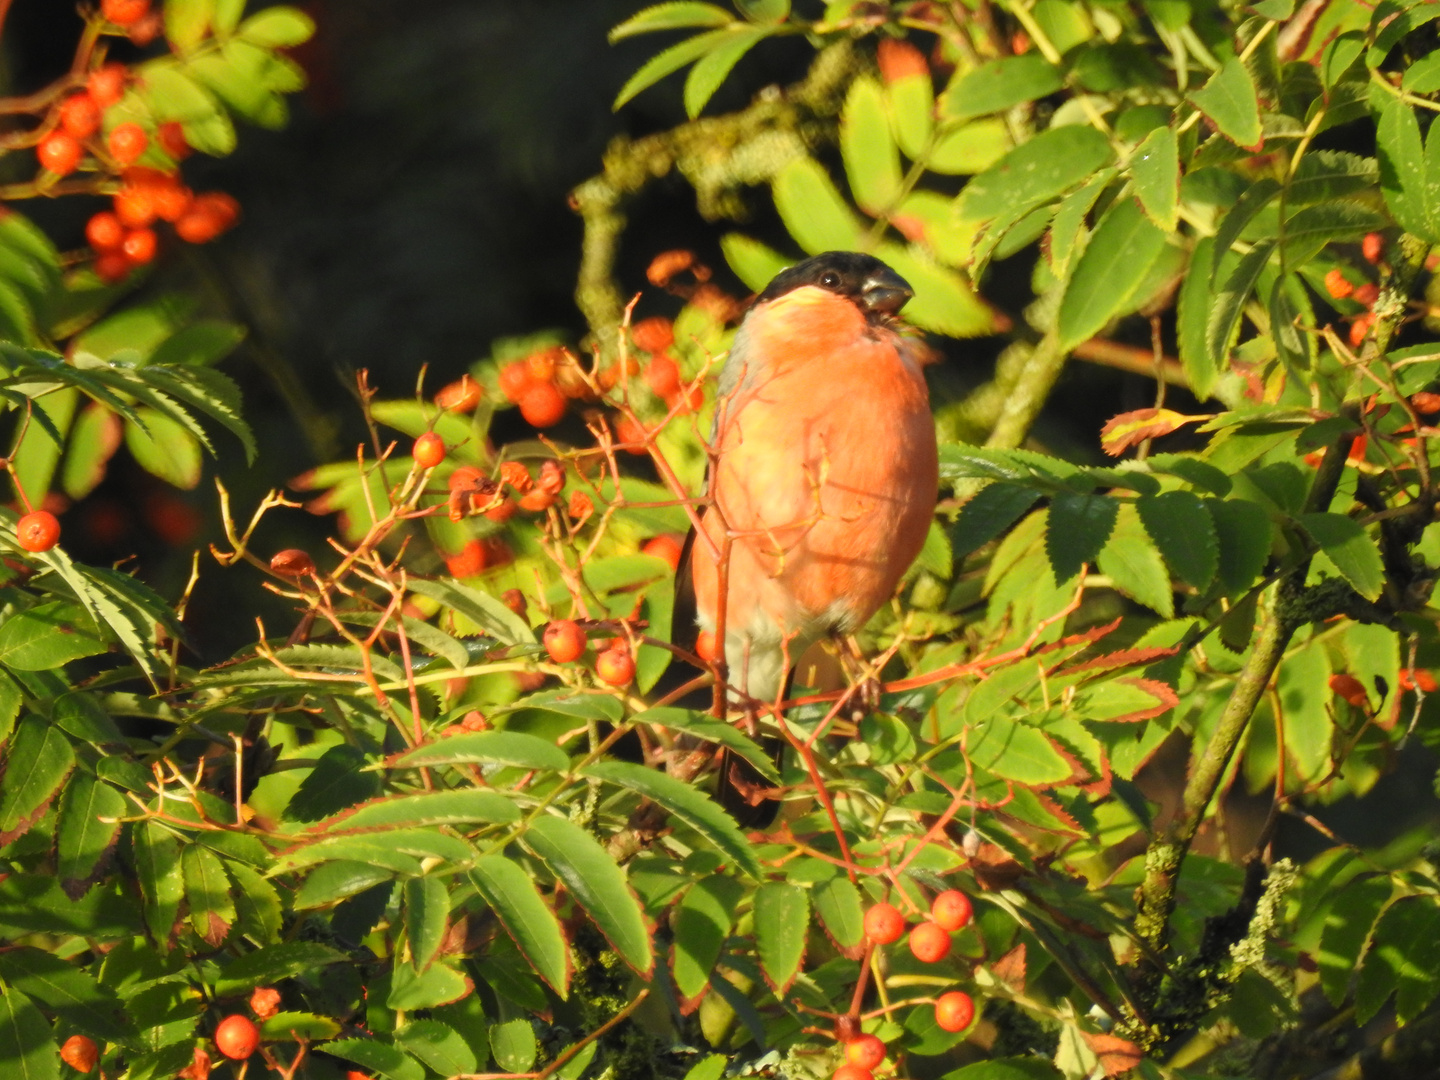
pixel 830 279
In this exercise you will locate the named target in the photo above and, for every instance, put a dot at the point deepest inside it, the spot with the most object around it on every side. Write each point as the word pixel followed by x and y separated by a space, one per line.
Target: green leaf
pixel 336 782
pixel 27 1046
pixel 278 28
pixel 686 803
pixel 1288 321
pixel 591 875
pixel 999 85
pixel 1404 955
pixel 210 392
pixel 677 15
pixel 438 1046
pixel 1016 751
pixel 812 209
pixel 186 22
pixel 427 914
pixel 526 917
pixel 944 302
pixel 1244 531
pixel 207 892
pixel 157 870
pixel 1401 159
pixel 1346 543
pixel 1006 1069
pixel 968 149
pixel 380 1058
pixel 1115 262
pixel 1035 172
pixel 1224 322
pixel 872 161
pixel 1423 76
pixel 1255 198
pixel 710 70
pixel 513 1044
pixel 513 748
pixel 1155 168
pixel 270 965
pixel 988 513
pixel 165 449
pixel 426 810
pixel 1229 100
pixel 1331 174
pixel 1132 563
pixel 289 1026
pixel 910 104
pixel 671 60
pixel 38 759
pixel 173 95
pixel 82 839
pixel 754 263
pixel 484 610
pixel 94 438
pixel 837 902
pixel 782 914
pixel 336 880
pixel 233 77
pixel 701 923
pixel 1182 529
pixel 764 11
pixel 1310 229
pixel 710 1068
pixel 1347 926
pixel 200 344
pixel 39 452
pixel 67 989
pixel 697 723
pixel 1305 702
pixel 47 636
pixel 1078 527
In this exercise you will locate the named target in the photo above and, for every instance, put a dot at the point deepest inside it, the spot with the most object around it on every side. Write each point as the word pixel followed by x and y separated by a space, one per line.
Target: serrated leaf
pixel 667 62
pixel 1331 174
pixel 1016 752
pixel 1078 527
pixel 207 893
pixel 66 989
pixel 837 902
pixel 270 965
pixel 1346 543
pixel 526 917
pixel 157 867
pixel 165 449
pixel 1401 158
pixel 910 104
pixel 710 70
pixel 94 438
pixel 782 915
pixel 1035 172
pixel 1185 534
pixel 431 808
pixel 591 875
pixel 1229 100
pixel 701 923
pixel 1404 956
pixel 812 209
pixel 1112 267
pixel 1132 563
pixel 82 839
pixel 1309 230
pixel 289 1026
pixel 38 758
pixel 484 610
pixel 698 723
pixel 27 1045
pixel 685 802
pixel 47 636
pixel 1304 703
pixel 513 1044
pixel 336 782
pixel 1224 320
pixel 427 914
pixel 336 880
pixel 1254 199
pixel 677 15
pixel 999 85
pixel 1155 168
pixel 513 748
pixel 1244 532
pixel 1347 926
pixel 380 1058
pixel 988 513
pixel 438 1046
pixel 872 161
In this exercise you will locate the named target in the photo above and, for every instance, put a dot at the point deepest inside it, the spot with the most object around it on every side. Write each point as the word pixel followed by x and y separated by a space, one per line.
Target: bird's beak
pixel 885 292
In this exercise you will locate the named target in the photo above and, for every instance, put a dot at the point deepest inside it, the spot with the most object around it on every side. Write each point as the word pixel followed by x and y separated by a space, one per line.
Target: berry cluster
pixel 565 641
pixel 930 943
pixel 1365 294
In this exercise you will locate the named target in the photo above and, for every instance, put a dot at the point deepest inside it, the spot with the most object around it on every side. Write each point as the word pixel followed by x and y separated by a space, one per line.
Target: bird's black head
pixel 862 278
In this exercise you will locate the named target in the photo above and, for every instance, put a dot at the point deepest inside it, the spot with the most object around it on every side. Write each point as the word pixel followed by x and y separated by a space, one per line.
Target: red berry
pixel 852 1072
pixel 107 84
pixel 209 216
pixel 930 943
pixel 1372 247
pixel 123 13
pixel 37 531
pixel 59 153
pixel 172 201
pixel 1359 329
pixel 537 500
pixel 663 375
pixel 951 910
pixel 80 1053
pixel 564 640
pixel 1337 285
pixel 469 562
pixel 135 206
pixel 543 405
pixel 112 267
pixel 514 381
pixel 104 231
pixel 429 450
pixel 127 142
pixel 462 395
pixel 1367 294
pixel 1425 402
pixel 900 60
pixel 615 666
pixel 1350 689
pixel 237 1037
pixel 653 335
pixel 139 246
pixel 705 649
pixel 292 562
pixel 686 399
pixel 171 136
pixel 79 115
pixel 541 365
pixel 667 546
pixel 883 923
pixel 866 1051
pixel 954 1011
pixel 631 435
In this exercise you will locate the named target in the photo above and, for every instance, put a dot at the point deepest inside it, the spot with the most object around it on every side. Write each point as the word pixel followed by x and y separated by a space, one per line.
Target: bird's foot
pixel 862 699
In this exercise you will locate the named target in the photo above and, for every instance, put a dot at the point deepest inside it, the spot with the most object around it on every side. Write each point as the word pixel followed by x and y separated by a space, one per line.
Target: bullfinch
pixel 826 474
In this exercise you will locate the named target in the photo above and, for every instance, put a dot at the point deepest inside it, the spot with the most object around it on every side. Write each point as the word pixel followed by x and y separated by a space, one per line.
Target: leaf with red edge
pixel 782 912
pixel 1125 700
pixel 1010 968
pixel 1112 661
pixel 1116 1055
pixel 1132 428
pixel 38 760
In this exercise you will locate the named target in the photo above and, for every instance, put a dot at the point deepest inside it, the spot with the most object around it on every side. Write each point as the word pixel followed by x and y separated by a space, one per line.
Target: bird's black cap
pixel 863 278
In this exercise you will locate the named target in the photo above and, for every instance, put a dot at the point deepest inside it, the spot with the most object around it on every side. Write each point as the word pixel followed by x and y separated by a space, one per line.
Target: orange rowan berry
pixel 540 366
pixel 429 450
pixel 106 84
pixel 663 375
pixel 581 506
pixel 104 231
pixel 139 246
pixel 516 476
pixel 564 640
pixel 615 666
pixel 237 1037
pixel 171 137
pixel 462 395
pixel 514 381
pixel 37 531
pixel 59 153
pixel 1359 329
pixel 552 477
pixel 292 562
pixel 265 1002
pixel 1367 293
pixel 705 649
pixel 80 116
pixel 883 922
pixel 127 142
pixel 112 267
pixel 951 910
pixel 1350 689
pixel 954 1010
pixel 172 201
pixel 470 560
pixel 930 943
pixel 135 206
pixel 536 501
pixel 124 12
pixel 502 511
pixel 852 1072
pixel 1337 285
pixel 80 1053
pixel 1425 402
pixel 209 215
pixel 543 405
pixel 1372 247
pixel 666 546
pixel 653 335
pixel 899 60
pixel 1418 679
pixel 866 1051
